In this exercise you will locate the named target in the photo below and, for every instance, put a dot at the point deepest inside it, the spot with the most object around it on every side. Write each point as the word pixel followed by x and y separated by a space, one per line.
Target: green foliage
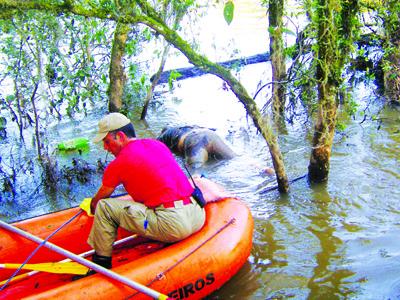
pixel 3 123
pixel 173 11
pixel 179 6
pixel 56 52
pixel 229 9
pixel 108 5
pixel 135 89
pixel 290 51
pixel 288 31
pixel 340 126
pixel 147 34
pixel 272 30
pixel 131 47
pixel 351 107
pixel 172 77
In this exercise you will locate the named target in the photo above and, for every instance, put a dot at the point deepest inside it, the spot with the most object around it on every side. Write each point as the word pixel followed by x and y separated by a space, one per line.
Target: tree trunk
pixel 117 73
pixel 334 39
pixel 392 78
pixel 324 129
pixel 279 76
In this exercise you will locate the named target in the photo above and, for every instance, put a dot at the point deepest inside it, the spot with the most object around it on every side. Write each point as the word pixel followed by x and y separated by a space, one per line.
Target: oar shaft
pixel 89 264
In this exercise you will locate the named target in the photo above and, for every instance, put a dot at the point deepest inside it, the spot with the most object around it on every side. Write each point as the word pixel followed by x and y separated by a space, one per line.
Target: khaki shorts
pixel 162 224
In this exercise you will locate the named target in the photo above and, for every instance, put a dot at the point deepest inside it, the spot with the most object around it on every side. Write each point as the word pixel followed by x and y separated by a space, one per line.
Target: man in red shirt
pixel 162 207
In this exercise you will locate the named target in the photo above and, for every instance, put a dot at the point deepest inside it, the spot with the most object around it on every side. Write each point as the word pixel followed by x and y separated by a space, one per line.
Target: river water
pixel 338 240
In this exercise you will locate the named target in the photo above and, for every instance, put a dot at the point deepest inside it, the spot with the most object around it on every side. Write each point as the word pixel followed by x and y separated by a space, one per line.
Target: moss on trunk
pixel 327 78
pixel 279 76
pixel 117 73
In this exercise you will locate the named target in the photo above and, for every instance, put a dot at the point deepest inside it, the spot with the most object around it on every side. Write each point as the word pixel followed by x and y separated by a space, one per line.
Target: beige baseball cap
pixel 110 122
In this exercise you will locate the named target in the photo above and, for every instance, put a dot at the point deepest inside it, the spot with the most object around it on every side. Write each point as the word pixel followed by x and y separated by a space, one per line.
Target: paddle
pixel 135 285
pixel 52 267
pixel 85 254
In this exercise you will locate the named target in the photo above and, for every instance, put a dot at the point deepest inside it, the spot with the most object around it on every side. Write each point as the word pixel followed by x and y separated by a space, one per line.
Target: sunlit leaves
pixel 131 47
pixel 172 77
pixel 180 6
pixel 66 55
pixel 290 51
pixel 107 5
pixel 228 11
pixel 99 35
pixel 104 79
pixel 273 30
pixel 288 31
pixel 135 89
pixel 147 34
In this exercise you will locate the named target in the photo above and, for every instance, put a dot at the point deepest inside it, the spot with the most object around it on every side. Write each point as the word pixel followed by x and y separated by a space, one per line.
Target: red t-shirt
pixel 149 173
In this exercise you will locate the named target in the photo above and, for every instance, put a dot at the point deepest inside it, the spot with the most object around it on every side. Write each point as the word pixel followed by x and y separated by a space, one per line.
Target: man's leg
pixel 104 229
pixel 110 214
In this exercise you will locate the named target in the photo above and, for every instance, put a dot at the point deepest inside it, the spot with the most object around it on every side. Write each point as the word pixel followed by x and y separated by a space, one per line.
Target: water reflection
pixel 328 280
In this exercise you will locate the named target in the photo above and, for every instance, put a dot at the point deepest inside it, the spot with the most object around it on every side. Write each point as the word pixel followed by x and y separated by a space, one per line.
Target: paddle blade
pixel 53 267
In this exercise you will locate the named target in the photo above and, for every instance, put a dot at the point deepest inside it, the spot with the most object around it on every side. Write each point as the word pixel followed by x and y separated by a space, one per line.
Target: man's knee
pixel 100 208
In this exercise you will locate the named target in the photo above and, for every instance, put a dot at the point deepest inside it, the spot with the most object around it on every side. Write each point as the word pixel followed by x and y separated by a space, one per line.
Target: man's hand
pixel 86 206
pixel 103 192
pixel 93 204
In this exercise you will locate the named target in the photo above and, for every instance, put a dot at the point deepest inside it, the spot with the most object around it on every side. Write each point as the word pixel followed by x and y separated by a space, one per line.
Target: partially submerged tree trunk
pixel 117 70
pixel 326 119
pixel 324 131
pixel 279 76
pixel 334 39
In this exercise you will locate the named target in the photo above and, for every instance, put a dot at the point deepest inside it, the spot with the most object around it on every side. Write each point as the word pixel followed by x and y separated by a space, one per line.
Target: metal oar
pixel 135 285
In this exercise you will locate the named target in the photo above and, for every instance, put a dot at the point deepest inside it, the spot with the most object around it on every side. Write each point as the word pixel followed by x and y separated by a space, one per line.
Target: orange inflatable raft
pixel 189 269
